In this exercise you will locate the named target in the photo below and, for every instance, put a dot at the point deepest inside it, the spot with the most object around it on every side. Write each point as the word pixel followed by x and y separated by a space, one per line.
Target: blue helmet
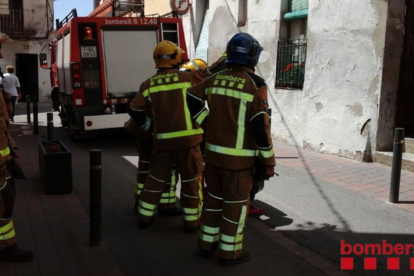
pixel 243 49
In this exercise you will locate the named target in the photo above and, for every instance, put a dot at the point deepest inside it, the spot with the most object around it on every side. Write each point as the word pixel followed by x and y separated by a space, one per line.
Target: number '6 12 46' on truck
pixel 97 65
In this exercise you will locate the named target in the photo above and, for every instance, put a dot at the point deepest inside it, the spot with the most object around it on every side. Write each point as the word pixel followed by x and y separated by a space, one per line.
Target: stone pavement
pixel 57 227
pixel 370 179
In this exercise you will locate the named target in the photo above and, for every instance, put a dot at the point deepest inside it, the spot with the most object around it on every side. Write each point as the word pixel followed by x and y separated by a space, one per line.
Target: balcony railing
pixel 12 22
pixel 291 61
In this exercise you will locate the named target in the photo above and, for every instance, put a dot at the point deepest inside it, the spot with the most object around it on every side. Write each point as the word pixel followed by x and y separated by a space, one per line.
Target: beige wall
pixel 38 19
pixel 157 6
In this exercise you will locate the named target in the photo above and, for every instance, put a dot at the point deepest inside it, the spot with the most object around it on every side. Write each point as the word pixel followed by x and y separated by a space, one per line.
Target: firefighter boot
pixel 244 257
pixel 16 254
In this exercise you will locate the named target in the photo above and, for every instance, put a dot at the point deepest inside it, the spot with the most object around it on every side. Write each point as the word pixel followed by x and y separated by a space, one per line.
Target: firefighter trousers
pixel 225 210
pixel 189 166
pixel 168 197
pixel 7 197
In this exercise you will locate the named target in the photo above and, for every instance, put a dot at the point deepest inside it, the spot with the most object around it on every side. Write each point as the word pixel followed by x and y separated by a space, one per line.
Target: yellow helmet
pixel 195 64
pixel 167 55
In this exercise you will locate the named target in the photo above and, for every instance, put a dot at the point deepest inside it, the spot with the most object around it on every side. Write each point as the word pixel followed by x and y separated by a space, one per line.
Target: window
pixel 4 7
pixel 291 61
pixel 291 50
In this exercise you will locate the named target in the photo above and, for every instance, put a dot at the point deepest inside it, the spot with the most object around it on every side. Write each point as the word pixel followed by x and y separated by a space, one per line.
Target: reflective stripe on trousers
pixel 189 165
pixel 7 231
pixel 224 213
pixel 5 152
pixel 7 196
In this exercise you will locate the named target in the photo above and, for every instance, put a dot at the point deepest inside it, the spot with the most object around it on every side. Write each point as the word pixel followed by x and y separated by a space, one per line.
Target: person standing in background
pixel 11 85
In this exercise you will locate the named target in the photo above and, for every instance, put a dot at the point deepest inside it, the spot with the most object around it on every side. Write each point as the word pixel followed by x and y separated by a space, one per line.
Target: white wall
pixel 343 70
pixel 342 80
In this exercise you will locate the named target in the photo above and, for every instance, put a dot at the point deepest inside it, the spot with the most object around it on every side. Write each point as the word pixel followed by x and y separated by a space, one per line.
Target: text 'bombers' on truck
pixel 98 64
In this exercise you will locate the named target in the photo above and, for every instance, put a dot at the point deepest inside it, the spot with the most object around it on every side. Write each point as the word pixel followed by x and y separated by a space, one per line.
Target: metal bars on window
pixel 11 20
pixel 290 66
pixel 297 5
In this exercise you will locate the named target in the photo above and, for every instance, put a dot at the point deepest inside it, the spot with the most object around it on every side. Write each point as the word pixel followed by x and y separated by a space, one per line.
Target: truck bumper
pixel 105 121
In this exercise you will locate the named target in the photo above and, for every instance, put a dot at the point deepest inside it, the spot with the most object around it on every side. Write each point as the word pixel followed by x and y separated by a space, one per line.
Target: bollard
pixel 95 197
pixel 49 126
pixel 35 118
pixel 396 165
pixel 28 109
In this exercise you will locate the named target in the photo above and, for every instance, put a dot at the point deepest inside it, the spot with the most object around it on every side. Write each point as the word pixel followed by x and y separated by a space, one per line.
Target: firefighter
pixel 237 132
pixel 176 137
pixel 219 65
pixel 194 64
pixel 167 205
pixel 9 170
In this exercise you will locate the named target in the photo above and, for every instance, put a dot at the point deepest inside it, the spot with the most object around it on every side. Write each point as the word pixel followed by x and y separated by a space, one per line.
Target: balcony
pixel 291 61
pixel 12 22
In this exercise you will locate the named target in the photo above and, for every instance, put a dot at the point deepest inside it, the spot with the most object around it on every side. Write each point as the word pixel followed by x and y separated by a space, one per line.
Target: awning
pixel 296 15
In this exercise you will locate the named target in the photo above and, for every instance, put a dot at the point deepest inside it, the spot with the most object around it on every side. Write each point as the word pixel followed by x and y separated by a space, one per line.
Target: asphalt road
pixel 163 249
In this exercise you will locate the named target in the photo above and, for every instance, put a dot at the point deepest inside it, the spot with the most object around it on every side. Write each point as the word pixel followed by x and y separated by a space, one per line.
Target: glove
pixel 268 172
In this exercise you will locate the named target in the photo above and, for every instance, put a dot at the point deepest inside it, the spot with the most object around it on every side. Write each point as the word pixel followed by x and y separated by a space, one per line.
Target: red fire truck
pixel 98 64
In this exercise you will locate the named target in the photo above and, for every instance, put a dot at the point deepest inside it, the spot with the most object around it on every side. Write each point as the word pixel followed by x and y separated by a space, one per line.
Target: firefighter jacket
pixel 164 94
pixel 219 64
pixel 7 144
pixel 237 126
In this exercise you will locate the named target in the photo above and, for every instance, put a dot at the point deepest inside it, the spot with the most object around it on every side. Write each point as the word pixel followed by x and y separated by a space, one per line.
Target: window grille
pixel 298 5
pixel 291 61
pixel 11 20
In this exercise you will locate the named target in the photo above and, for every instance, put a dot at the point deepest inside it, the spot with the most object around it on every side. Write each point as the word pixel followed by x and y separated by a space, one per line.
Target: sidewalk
pixel 370 179
pixel 57 227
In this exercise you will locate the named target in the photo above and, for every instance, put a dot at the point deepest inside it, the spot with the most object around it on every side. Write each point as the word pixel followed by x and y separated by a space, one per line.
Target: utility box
pixel 55 167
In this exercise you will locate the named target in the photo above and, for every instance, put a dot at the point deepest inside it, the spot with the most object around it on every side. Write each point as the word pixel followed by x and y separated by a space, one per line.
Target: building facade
pixel 29 24
pixel 340 76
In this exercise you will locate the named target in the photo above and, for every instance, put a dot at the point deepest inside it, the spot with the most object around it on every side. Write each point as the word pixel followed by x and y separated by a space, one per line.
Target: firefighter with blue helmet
pixel 232 106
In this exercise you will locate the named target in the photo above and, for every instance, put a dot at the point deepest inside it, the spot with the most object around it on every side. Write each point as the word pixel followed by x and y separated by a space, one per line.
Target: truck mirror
pixel 43 60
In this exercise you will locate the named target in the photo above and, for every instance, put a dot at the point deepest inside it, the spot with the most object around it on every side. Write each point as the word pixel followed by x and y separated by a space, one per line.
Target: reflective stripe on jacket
pixel 234 100
pixel 164 94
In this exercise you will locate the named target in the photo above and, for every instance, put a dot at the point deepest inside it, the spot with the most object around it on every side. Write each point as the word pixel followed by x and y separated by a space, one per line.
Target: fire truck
pixel 97 65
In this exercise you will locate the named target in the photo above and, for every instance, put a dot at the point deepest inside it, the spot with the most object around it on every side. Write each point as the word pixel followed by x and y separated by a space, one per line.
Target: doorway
pixel 405 94
pixel 27 72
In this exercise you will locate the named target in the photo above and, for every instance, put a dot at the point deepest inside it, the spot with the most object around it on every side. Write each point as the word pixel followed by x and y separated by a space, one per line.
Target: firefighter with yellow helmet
pixel 195 64
pixel 160 105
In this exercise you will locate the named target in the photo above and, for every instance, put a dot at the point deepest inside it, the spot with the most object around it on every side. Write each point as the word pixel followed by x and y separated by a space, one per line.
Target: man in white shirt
pixel 11 85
